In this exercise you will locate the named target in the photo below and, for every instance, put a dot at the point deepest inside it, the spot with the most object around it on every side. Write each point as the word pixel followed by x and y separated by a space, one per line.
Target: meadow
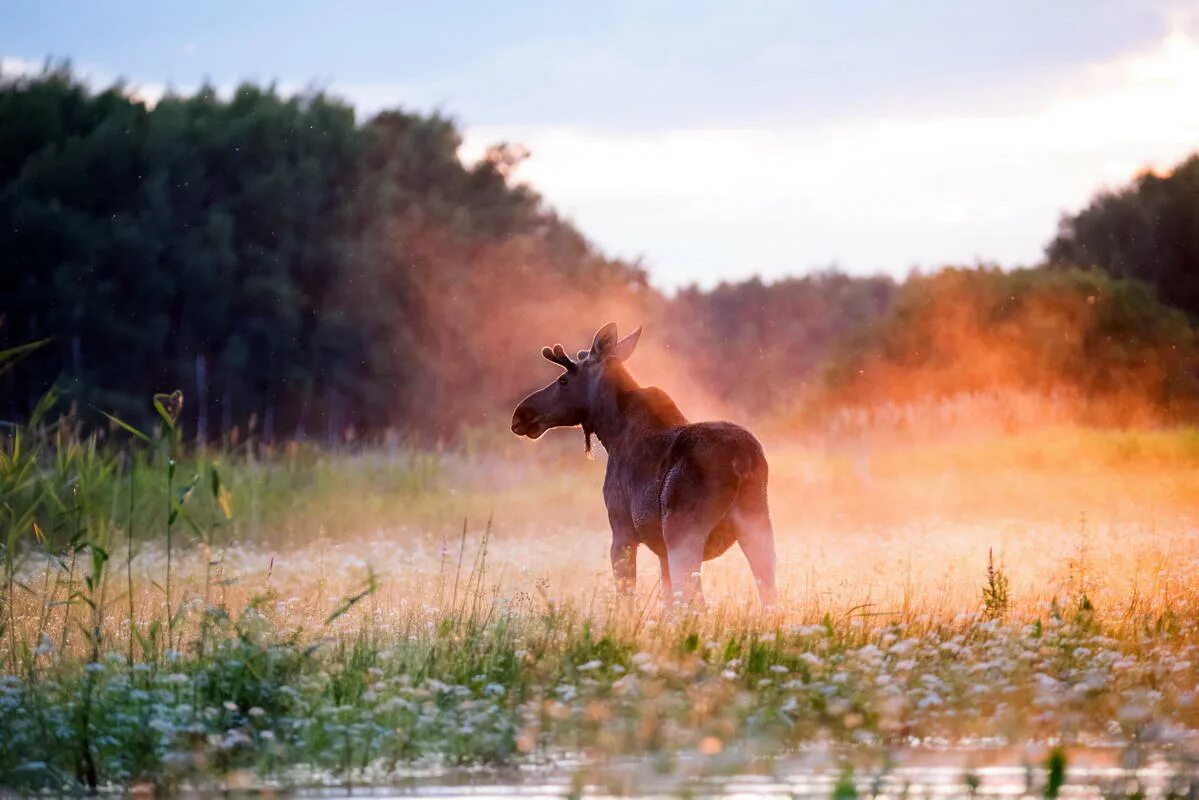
pixel 251 617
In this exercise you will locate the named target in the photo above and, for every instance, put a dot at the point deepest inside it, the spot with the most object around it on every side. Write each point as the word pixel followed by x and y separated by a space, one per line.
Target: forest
pixel 300 273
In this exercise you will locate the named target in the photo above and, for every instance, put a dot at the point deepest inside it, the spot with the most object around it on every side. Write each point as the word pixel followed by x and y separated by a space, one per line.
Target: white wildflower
pixel 930 700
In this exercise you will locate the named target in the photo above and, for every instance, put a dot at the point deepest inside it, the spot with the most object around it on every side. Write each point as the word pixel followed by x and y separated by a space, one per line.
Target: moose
pixel 685 490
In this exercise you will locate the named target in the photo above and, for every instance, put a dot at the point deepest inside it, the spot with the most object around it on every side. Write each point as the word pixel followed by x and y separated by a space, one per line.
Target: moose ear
pixel 604 341
pixel 625 347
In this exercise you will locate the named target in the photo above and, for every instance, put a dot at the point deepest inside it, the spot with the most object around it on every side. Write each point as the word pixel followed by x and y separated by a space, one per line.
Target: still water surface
pixel 921 773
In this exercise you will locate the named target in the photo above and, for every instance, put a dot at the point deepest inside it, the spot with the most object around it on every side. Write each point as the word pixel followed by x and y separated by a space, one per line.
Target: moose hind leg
pixel 696 501
pixel 755 534
pixel 685 556
pixel 667 589
pixel 686 533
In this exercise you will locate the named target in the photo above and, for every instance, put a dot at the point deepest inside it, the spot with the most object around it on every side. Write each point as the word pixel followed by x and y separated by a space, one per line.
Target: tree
pixel 757 345
pixel 1109 345
pixel 1148 230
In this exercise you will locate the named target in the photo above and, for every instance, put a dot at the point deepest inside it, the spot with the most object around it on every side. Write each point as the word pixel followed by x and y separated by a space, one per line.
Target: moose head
pixel 568 401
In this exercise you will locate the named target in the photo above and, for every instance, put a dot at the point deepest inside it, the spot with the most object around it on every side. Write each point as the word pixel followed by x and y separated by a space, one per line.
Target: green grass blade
pixel 126 426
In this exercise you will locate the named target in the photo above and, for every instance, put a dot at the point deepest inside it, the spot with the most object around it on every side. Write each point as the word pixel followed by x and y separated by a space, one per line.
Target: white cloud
pixel 147 92
pixel 13 67
pixel 884 193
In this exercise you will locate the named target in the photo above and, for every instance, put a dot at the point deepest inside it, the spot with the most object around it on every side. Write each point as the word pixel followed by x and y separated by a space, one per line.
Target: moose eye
pixel 562 381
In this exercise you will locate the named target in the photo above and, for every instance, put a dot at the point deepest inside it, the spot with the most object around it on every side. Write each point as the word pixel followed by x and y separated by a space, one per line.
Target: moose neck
pixel 608 418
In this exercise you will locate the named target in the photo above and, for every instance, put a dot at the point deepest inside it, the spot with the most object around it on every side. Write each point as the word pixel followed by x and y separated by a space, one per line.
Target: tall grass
pixel 304 616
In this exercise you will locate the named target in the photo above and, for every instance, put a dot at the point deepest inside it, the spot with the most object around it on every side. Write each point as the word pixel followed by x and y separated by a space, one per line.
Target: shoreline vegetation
pixel 329 617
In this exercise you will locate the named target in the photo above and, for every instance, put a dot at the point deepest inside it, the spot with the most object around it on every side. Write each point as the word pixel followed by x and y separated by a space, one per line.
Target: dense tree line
pixel 286 266
pixel 1104 345
pixel 754 345
pixel 1148 230
pixel 300 272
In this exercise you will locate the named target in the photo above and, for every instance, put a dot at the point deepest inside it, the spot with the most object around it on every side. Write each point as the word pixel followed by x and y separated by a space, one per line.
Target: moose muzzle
pixel 525 422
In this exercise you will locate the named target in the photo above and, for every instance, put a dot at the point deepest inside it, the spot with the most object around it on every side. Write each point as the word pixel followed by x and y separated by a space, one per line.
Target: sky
pixel 713 140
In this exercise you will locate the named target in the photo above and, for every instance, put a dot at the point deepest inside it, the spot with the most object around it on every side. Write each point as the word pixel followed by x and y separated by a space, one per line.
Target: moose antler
pixel 558 356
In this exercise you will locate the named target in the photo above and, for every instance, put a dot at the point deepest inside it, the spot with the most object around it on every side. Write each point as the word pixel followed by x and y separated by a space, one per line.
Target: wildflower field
pixel 181 620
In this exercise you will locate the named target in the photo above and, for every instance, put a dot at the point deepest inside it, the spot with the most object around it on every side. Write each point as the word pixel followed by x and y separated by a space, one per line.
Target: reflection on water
pixel 921 773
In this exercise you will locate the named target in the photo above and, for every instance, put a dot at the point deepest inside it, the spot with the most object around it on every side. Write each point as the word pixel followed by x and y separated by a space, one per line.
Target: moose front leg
pixel 624 555
pixel 667 587
pixel 624 566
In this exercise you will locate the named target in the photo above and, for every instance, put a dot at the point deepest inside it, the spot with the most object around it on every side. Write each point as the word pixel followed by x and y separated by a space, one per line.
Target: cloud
pixel 872 194
pixel 14 67
pixel 148 92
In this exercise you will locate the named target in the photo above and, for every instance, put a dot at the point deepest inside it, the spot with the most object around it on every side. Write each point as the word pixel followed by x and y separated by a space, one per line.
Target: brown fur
pixel 686 491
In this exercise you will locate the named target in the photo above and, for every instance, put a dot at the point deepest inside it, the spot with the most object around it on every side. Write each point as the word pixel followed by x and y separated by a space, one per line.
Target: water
pixel 917 773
